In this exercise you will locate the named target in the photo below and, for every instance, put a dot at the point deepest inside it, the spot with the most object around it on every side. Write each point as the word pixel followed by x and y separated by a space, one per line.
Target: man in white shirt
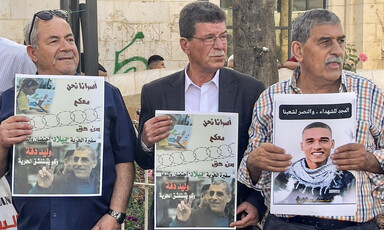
pixel 204 86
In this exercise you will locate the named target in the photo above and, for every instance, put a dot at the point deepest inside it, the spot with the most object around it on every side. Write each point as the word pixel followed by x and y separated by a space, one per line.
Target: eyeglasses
pixel 46 15
pixel 211 39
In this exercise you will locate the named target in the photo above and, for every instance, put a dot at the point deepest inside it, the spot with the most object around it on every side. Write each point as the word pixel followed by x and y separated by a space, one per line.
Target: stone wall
pixel 130 85
pixel 14 14
pixel 363 23
pixel 120 20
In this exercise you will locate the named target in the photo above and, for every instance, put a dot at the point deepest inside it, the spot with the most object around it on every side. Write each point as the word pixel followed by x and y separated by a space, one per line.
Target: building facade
pixel 147 27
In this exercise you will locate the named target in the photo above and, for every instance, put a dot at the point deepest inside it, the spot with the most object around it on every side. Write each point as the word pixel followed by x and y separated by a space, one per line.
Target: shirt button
pixel 54 214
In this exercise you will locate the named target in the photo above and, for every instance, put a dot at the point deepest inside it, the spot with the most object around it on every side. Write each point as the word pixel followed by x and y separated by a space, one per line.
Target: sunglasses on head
pixel 46 15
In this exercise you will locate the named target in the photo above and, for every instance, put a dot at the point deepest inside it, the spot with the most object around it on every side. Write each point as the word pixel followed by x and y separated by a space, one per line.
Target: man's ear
pixel 184 44
pixel 32 53
pixel 297 50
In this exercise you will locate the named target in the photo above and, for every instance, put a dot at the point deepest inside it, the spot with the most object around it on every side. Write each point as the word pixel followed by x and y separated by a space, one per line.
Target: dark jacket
pixel 237 93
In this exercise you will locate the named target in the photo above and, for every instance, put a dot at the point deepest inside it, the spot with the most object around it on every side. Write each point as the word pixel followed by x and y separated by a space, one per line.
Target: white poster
pixel 63 156
pixel 310 127
pixel 196 172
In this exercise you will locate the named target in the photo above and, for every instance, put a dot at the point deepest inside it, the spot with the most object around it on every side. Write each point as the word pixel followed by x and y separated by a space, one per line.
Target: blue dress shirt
pixel 40 213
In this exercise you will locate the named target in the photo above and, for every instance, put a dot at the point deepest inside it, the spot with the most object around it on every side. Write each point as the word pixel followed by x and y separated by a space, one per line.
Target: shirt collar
pixel 296 75
pixel 189 82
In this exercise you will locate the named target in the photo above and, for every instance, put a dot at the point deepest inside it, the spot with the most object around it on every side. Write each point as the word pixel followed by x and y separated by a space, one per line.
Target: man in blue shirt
pixel 53 50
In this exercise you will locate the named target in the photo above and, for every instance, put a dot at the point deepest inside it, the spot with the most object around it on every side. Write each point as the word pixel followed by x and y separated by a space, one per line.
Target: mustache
pixel 334 59
pixel 216 53
pixel 69 54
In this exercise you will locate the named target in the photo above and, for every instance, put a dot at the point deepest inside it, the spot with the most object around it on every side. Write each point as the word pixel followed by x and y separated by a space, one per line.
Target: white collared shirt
pixel 198 99
pixel 204 98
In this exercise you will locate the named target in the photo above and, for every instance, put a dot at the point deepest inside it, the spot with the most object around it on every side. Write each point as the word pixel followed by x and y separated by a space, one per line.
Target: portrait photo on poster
pixel 63 155
pixel 195 171
pixel 310 128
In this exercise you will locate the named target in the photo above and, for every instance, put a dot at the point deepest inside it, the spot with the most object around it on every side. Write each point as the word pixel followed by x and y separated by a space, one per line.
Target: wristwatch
pixel 119 216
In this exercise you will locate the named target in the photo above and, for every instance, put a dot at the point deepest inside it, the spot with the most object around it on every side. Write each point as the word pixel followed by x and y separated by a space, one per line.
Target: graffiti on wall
pixel 119 65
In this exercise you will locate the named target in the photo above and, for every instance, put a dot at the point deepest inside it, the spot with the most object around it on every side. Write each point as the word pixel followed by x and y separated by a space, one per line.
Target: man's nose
pixel 317 145
pixel 218 44
pixel 64 45
pixel 337 48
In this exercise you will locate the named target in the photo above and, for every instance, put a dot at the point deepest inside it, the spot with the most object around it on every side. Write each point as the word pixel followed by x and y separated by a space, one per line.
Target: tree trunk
pixel 255 40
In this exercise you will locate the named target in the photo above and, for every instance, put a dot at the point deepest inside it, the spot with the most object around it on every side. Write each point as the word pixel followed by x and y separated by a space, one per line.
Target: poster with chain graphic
pixel 63 155
pixel 196 171
pixel 311 127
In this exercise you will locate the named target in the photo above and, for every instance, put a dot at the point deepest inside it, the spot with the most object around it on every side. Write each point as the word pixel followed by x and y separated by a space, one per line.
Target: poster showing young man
pixel 309 128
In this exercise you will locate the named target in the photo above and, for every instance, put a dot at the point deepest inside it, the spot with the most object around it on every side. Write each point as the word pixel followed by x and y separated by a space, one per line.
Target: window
pixel 285 13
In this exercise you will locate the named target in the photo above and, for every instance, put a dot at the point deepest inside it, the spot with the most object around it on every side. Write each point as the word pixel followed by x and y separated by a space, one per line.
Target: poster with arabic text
pixel 310 127
pixel 63 155
pixel 195 171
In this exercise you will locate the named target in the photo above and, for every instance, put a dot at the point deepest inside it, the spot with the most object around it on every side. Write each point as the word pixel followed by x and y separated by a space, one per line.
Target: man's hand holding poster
pixel 310 127
pixel 63 155
pixel 195 172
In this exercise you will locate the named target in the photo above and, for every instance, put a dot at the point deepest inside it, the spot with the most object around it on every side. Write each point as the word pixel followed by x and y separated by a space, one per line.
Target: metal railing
pixel 146 186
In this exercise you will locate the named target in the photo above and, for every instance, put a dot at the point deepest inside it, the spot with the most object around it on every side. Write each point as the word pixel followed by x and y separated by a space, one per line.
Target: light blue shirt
pixel 14 59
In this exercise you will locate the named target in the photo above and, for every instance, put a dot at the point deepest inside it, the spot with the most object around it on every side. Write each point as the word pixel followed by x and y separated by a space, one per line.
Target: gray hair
pixel 35 32
pixel 87 148
pixel 220 182
pixel 303 25
pixel 198 12
pixel 26 32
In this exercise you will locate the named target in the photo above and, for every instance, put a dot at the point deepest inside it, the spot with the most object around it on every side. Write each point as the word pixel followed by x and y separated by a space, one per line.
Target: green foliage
pixel 136 207
pixel 135 212
pixel 351 59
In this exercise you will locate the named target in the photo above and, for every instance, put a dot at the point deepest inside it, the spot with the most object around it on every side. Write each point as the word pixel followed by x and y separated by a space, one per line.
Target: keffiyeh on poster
pixel 310 127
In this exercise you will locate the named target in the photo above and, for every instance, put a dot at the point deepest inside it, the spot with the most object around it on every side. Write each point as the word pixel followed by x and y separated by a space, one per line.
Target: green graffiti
pixel 120 65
